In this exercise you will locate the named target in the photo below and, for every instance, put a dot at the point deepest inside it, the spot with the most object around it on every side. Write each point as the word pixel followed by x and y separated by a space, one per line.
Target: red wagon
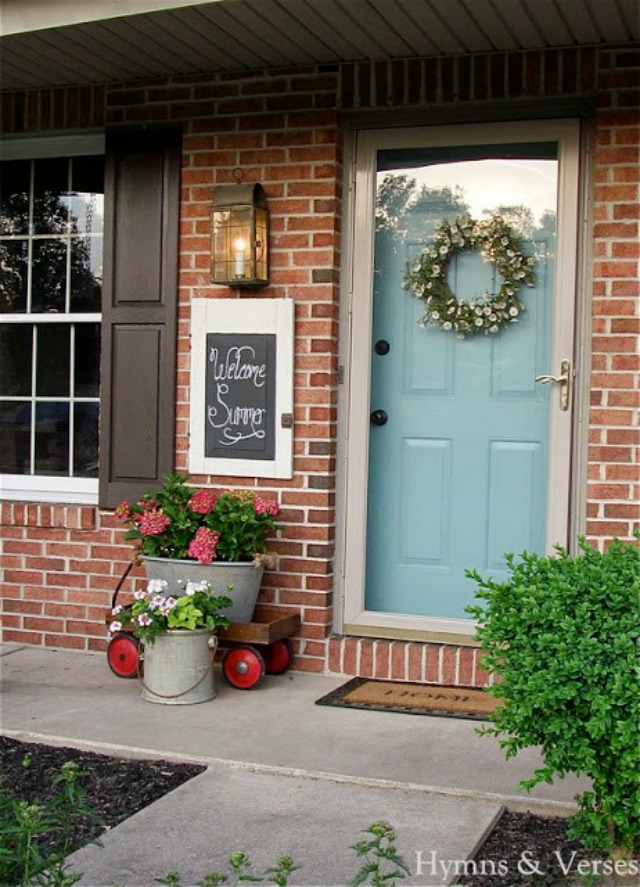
pixel 251 649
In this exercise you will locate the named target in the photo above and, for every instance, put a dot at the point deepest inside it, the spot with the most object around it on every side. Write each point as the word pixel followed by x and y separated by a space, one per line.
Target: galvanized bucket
pixel 239 581
pixel 178 667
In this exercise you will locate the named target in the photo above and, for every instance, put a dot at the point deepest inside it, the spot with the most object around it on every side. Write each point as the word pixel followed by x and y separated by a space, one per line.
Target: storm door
pixel 464 427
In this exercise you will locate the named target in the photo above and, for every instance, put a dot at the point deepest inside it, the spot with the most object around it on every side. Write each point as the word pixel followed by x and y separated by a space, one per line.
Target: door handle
pixel 564 380
pixel 379 417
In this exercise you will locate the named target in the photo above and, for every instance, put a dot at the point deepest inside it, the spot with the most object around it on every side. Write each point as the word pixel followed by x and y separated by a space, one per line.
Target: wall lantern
pixel 239 236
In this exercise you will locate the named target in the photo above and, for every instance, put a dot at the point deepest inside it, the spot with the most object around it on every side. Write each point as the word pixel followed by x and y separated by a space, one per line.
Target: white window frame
pixel 38 487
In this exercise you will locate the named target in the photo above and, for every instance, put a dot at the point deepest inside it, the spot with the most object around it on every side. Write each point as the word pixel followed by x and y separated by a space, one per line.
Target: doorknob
pixel 379 417
pixel 563 380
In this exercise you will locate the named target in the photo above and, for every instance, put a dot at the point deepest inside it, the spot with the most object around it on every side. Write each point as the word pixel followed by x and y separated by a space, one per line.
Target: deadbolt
pixel 379 417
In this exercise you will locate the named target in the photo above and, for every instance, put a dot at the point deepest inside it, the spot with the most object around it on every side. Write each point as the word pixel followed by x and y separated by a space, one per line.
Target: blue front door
pixel 459 433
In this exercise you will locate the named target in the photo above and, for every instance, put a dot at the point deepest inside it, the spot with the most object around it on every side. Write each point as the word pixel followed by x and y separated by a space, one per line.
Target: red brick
pixel 19 606
pixel 632 512
pixel 41 623
pixel 350 647
pixel 20 546
pixel 366 658
pixel 623 436
pixel 415 662
pixel 603 528
pixel 398 671
pixel 19 636
pixel 465 666
pixel 449 665
pixel 382 659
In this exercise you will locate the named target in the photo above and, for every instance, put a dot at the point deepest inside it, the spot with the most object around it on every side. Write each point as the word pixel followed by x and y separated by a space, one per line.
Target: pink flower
pixel 152 523
pixel 203 501
pixel 123 511
pixel 115 626
pixel 144 619
pixel 266 506
pixel 203 545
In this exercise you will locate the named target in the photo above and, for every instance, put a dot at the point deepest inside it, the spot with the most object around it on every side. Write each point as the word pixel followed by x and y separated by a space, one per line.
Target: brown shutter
pixel 138 371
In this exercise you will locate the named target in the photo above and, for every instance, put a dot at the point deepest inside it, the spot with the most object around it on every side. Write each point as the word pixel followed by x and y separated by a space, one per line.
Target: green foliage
pixel 561 637
pixel 152 613
pixel 240 872
pixel 24 825
pixel 382 864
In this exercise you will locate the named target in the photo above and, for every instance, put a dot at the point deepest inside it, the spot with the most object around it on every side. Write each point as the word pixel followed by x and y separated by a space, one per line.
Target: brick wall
pixel 614 420
pixel 283 129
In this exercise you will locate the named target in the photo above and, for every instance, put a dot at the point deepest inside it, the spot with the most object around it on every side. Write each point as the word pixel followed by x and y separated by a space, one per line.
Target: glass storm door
pixel 467 452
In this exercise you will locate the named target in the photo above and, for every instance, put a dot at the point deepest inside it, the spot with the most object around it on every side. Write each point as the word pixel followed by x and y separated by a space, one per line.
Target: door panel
pixel 459 473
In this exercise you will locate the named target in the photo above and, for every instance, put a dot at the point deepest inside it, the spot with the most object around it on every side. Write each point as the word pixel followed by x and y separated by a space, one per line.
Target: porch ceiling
pixel 68 43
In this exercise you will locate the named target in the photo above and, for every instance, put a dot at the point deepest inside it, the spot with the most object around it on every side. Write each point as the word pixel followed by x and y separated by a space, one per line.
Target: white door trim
pixel 357 356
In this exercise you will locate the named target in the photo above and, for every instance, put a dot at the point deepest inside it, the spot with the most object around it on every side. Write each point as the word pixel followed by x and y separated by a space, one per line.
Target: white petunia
pixel 117 610
pixel 479 321
pixel 156 585
pixel 513 311
pixel 115 626
pixel 435 315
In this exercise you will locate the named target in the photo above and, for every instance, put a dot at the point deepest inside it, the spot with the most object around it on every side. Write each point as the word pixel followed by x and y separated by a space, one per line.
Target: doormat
pixel 415 699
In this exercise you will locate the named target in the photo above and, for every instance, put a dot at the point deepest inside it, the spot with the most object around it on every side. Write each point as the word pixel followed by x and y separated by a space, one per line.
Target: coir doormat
pixel 415 699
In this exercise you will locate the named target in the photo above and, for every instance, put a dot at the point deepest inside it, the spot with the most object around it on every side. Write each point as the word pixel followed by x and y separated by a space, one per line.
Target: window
pixel 51 246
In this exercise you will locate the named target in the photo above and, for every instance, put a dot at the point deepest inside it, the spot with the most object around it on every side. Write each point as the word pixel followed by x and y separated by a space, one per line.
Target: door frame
pixel 357 299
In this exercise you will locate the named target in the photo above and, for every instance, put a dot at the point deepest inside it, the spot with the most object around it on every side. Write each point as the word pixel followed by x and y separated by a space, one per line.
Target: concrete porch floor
pixel 284 775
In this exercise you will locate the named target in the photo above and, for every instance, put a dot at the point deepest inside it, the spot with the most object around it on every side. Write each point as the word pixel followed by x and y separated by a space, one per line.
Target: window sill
pixel 68 490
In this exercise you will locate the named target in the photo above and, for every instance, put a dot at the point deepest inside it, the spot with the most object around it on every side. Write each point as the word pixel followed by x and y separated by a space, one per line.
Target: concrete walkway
pixel 284 776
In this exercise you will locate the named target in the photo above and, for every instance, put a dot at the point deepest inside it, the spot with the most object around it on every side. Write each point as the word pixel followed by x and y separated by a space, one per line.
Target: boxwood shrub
pixel 561 638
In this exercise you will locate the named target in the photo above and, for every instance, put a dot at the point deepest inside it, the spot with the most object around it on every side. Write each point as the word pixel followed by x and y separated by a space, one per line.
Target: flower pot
pixel 238 581
pixel 178 667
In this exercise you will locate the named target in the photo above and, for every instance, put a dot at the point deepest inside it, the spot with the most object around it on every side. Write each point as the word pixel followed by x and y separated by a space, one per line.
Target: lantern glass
pixel 239 237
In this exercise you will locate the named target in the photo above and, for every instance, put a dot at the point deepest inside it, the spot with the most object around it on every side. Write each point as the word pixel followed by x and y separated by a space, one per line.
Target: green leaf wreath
pixel 487 312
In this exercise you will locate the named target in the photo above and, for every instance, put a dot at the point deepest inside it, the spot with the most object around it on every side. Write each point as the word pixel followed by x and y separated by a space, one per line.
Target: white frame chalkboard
pixel 242 317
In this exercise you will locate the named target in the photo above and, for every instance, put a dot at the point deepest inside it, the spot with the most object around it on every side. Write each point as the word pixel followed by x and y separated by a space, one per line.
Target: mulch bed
pixel 118 787
pixel 522 843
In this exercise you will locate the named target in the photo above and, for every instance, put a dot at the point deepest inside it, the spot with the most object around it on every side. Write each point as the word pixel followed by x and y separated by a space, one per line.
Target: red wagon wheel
pixel 243 667
pixel 278 656
pixel 123 655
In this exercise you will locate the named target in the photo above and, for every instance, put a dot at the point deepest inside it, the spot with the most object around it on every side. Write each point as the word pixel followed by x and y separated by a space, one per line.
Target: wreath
pixel 488 312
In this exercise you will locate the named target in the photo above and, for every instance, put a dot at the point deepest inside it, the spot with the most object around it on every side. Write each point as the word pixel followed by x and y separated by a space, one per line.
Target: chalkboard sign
pixel 241 421
pixel 240 396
